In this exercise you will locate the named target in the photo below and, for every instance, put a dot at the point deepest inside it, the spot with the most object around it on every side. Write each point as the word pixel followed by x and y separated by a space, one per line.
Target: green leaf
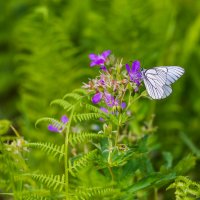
pixel 85 160
pixel 154 180
pixel 185 164
pixel 86 116
pixel 63 103
pixel 49 148
pixel 4 126
pixel 55 182
pixel 75 138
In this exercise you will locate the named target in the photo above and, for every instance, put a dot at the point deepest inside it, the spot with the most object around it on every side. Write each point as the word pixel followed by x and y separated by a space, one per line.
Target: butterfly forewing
pixel 158 80
pixel 155 91
pixel 173 73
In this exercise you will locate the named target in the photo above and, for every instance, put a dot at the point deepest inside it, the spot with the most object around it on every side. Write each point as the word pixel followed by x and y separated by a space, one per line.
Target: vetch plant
pixel 110 161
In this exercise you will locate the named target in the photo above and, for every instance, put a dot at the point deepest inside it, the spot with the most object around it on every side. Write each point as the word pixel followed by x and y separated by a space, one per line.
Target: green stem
pixel 66 155
pixel 15 131
pixel 110 149
pixel 111 173
pixel 9 194
pixel 117 135
pixel 155 194
pixel 118 130
pixel 109 158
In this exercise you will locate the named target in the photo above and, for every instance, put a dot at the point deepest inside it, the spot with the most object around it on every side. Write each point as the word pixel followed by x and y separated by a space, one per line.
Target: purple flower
pixel 107 97
pixel 123 105
pixel 104 109
pixel 64 119
pixel 97 98
pixel 134 72
pixel 99 59
pixel 52 128
pixel 56 127
pixel 110 100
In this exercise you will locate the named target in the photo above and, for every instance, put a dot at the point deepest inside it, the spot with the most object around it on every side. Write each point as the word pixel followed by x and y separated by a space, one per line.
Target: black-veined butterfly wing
pixel 158 80
pixel 173 73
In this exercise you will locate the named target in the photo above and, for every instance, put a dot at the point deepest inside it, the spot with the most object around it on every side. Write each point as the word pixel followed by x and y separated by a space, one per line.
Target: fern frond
pixel 75 138
pixel 73 96
pixel 55 182
pixel 81 91
pixel 50 148
pixel 86 116
pixel 63 103
pixel 91 193
pixel 53 121
pixel 83 161
pixel 34 197
pixel 185 188
pixel 41 194
pixel 92 108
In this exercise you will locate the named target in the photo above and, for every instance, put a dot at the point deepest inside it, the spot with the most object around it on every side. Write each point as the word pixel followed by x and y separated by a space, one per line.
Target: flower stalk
pixel 66 155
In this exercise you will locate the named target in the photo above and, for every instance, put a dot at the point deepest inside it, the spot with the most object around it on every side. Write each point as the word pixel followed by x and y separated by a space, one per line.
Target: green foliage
pixel 4 126
pixel 76 164
pixel 185 189
pixel 63 103
pixel 96 192
pixel 75 138
pixel 182 167
pixel 153 180
pixel 50 149
pixel 55 182
pixel 42 56
pixel 86 116
pixel 36 195
pixel 12 166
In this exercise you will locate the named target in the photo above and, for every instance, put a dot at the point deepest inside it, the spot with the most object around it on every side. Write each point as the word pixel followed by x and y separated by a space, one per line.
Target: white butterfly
pixel 158 80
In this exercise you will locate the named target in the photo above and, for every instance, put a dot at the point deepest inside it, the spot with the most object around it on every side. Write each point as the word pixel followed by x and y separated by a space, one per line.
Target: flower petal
pixel 105 54
pixel 93 56
pixel 64 119
pixel 97 98
pixel 128 68
pixel 52 128
pixel 123 105
pixel 110 100
pixel 135 66
pixel 104 109
pixel 103 68
pixel 100 61
pixel 93 63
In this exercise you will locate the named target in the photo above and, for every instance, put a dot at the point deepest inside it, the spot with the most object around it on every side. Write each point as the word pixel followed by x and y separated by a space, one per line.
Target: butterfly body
pixel 158 80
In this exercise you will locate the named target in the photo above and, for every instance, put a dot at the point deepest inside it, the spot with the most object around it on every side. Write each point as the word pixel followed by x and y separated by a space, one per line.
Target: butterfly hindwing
pixel 167 90
pixel 158 80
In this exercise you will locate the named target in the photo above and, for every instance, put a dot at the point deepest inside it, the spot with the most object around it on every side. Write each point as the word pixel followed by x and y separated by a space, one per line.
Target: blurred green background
pixel 44 47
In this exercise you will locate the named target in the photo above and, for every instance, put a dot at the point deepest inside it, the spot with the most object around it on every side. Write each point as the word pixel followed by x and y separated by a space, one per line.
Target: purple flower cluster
pixel 111 86
pixel 108 98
